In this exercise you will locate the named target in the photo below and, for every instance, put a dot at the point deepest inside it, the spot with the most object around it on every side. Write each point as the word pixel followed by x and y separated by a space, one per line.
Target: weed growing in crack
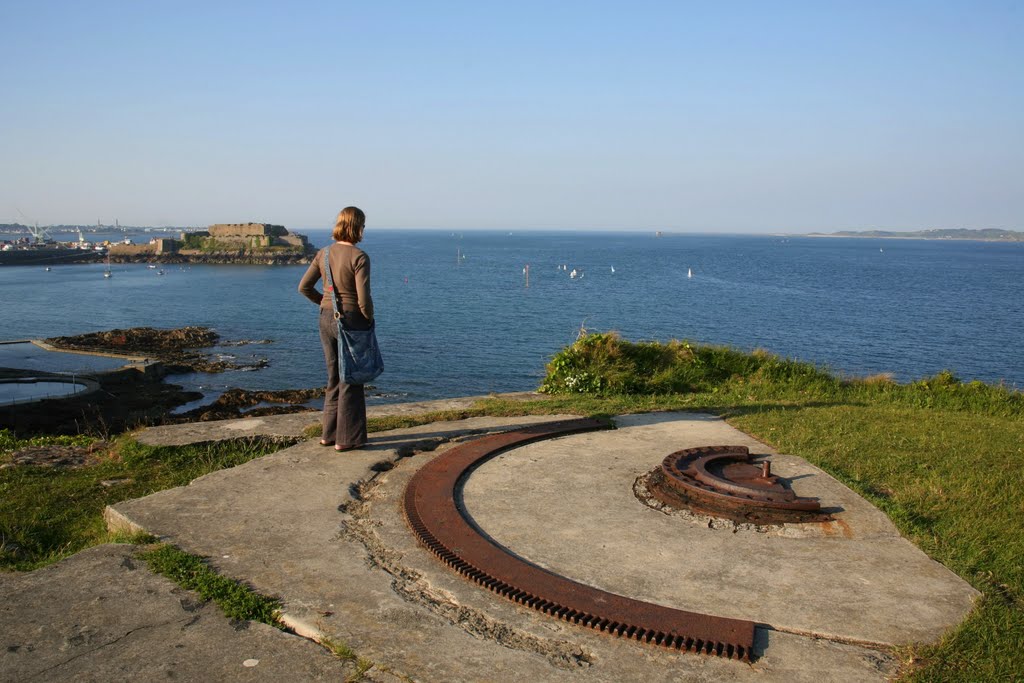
pixel 235 599
pixel 345 653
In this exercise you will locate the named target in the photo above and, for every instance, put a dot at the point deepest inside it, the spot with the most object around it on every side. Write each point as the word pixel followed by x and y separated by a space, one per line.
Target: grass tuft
pixel 236 600
pixel 342 651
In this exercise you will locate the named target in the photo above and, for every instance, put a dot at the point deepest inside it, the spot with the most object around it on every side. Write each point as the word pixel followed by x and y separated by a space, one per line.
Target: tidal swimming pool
pixel 32 389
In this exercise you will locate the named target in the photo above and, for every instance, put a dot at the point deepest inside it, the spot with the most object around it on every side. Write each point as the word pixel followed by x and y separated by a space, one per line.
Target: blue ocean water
pixel 455 316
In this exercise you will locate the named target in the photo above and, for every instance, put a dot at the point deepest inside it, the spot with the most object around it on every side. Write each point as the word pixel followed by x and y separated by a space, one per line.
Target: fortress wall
pixel 131 249
pixel 293 240
pixel 165 245
pixel 221 230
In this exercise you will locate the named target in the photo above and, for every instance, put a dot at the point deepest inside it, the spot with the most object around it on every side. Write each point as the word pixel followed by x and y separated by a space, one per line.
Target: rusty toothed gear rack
pixel 435 516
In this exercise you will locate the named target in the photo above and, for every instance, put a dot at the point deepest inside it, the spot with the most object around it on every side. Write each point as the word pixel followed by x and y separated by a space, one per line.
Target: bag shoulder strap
pixel 329 278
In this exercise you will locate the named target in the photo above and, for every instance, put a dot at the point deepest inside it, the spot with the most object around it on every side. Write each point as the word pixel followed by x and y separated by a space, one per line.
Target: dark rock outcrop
pixel 173 347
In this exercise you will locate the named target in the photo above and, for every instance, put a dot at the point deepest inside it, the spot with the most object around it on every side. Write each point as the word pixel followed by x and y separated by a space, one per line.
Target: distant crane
pixel 39 234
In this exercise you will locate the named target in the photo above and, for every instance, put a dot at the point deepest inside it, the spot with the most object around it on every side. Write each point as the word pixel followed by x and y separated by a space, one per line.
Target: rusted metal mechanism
pixel 721 481
pixel 433 512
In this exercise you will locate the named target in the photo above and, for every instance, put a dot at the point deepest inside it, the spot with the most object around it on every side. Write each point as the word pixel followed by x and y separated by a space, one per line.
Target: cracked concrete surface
pixel 411 585
pixel 101 615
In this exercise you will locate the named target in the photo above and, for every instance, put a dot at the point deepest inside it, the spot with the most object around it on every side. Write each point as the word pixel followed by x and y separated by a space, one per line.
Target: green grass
pixel 951 481
pixel 236 600
pixel 346 653
pixel 10 443
pixel 49 513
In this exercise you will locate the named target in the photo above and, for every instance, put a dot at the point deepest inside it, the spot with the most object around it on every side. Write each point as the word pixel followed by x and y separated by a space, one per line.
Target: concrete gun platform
pixel 325 533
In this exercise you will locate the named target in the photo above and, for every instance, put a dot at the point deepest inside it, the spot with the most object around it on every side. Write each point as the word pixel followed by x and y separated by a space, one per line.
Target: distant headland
pixel 254 243
pixel 984 234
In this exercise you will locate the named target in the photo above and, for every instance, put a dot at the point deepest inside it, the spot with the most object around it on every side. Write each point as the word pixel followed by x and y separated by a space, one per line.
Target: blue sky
pixel 711 117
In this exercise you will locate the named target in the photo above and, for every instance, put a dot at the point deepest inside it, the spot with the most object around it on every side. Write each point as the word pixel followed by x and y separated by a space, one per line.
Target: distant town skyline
pixel 683 117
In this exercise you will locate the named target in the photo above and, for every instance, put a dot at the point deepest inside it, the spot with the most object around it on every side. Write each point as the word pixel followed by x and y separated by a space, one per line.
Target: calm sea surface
pixel 452 326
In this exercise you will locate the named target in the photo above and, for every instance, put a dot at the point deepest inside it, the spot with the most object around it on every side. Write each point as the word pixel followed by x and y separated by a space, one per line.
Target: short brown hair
pixel 349 225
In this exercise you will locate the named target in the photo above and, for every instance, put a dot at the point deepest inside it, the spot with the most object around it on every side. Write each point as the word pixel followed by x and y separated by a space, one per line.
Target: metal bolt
pixel 766 469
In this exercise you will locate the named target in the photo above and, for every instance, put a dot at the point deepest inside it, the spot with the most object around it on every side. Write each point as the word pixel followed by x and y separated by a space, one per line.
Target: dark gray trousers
pixel 344 419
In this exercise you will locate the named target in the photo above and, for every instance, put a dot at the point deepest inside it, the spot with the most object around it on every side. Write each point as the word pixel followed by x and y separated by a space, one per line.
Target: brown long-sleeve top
pixel 350 269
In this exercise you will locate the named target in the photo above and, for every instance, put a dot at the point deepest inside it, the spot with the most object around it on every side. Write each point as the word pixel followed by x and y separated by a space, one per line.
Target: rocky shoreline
pixel 122 402
pixel 174 348
pixel 235 403
pixel 217 258
pixel 129 400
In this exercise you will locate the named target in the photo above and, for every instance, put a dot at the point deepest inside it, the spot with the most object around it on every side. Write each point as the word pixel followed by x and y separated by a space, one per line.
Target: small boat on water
pixel 107 273
pixel 689 272
pixel 573 274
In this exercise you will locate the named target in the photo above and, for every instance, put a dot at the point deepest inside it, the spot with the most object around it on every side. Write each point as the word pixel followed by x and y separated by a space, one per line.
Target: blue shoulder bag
pixel 359 359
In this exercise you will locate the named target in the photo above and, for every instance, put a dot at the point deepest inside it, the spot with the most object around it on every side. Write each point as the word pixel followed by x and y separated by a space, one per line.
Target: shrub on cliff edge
pixel 604 364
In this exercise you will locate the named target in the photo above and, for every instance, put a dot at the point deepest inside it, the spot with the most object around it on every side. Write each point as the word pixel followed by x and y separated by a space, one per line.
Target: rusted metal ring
pixel 434 514
pixel 721 481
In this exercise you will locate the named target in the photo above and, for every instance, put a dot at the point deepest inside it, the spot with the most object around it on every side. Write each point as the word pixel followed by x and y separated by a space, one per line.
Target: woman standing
pixel 344 419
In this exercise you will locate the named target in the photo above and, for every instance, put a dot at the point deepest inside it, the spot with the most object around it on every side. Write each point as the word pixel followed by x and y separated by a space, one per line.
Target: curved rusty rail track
pixel 435 516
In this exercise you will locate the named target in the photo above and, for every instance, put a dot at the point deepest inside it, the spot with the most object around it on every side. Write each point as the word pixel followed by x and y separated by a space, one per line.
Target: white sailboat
pixel 107 273
pixel 689 272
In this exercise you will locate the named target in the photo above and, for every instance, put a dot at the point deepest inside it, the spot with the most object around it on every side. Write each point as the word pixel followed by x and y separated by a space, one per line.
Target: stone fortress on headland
pixel 261 243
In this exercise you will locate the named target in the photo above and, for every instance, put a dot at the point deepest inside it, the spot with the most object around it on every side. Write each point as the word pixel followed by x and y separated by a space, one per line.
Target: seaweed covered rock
pixel 146 341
